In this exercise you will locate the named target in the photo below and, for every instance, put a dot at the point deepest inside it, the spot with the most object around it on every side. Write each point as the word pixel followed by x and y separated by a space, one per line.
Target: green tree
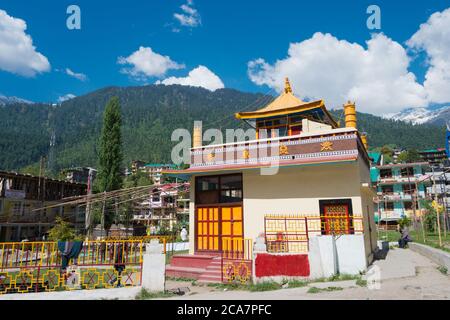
pixel 387 152
pixel 62 231
pixel 140 179
pixel 413 155
pixel 403 157
pixel 429 218
pixel 110 158
pixel 409 156
pixel 110 153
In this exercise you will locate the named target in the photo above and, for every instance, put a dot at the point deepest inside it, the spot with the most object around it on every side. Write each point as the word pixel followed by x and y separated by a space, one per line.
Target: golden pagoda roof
pixel 285 103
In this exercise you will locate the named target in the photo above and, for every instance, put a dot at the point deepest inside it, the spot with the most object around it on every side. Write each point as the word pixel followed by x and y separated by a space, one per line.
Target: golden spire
pixel 287 86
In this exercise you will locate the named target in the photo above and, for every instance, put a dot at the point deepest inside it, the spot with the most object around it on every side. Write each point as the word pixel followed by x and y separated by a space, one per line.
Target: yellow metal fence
pixel 41 266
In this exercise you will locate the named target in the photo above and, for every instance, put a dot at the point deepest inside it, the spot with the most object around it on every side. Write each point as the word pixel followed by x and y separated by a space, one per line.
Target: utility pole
pixel 103 214
pixel 420 209
pixel 41 189
pixel 88 218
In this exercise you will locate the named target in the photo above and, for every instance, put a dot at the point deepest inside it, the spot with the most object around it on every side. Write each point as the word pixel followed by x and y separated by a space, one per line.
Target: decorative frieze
pixel 280 150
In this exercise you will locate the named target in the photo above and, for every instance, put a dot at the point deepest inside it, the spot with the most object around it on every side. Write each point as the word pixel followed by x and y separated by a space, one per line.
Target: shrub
pixel 62 231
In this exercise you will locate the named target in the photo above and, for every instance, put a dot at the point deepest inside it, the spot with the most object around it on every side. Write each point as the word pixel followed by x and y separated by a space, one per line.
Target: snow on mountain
pixel 418 115
pixel 4 100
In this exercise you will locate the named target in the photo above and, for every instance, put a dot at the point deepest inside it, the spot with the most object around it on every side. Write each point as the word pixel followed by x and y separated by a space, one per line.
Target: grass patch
pixel 145 295
pixel 181 279
pixel 328 289
pixel 431 238
pixel 271 285
pixel 443 270
pixel 297 284
pixel 265 286
pixel 362 283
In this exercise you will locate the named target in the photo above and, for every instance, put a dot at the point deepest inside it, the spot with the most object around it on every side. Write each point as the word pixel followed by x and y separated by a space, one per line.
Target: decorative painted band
pixel 255 144
pixel 282 151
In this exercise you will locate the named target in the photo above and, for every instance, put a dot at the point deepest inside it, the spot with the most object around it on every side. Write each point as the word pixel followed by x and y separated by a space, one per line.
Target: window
pixel 219 189
pixel 231 188
pixel 387 189
pixel 408 205
pixel 409 188
pixel 336 216
pixel 407 172
pixel 17 208
pixel 389 206
pixel 385 173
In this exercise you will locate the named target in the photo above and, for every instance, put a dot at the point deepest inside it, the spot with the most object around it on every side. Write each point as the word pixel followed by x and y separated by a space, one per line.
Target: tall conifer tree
pixel 110 153
pixel 110 157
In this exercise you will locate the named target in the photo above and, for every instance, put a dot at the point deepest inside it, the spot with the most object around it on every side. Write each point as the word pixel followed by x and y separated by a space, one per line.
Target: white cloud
pixel 433 37
pixel 147 63
pixel 79 76
pixel 190 16
pixel 198 77
pixel 323 66
pixel 66 97
pixel 17 53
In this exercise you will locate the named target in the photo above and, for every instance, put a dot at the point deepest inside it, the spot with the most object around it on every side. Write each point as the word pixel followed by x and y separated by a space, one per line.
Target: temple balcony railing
pixel 336 144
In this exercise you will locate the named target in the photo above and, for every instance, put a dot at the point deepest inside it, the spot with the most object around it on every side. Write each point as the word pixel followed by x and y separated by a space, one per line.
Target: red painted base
pixel 267 265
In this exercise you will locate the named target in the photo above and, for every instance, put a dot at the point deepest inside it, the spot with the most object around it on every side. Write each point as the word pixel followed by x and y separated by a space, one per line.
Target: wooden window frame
pixel 218 190
pixel 348 202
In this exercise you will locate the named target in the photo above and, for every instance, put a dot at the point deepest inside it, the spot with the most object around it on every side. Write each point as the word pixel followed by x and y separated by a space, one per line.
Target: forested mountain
pixel 150 114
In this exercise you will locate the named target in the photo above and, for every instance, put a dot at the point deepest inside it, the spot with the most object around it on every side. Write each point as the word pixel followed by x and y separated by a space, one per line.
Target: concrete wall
pixel 309 126
pixel 350 253
pixel 439 257
pixel 192 217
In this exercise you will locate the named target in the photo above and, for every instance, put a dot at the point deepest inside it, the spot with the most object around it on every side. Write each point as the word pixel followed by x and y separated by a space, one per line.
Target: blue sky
pixel 229 34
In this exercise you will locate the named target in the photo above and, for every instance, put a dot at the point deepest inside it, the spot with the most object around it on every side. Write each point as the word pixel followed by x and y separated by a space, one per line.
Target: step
pixel 212 273
pixel 214 268
pixel 210 279
pixel 191 261
pixel 184 272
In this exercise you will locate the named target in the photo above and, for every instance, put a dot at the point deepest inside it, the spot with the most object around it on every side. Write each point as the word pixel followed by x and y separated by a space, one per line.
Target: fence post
pixel 307 233
pixel 37 279
pixel 154 267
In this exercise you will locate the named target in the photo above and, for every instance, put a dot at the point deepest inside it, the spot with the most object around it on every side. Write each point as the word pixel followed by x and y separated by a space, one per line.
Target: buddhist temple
pixel 279 200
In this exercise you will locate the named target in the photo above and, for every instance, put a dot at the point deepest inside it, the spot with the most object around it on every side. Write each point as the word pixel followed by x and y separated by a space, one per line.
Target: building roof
pixel 157 165
pixel 376 156
pixel 287 103
pixel 433 150
pixel 12 174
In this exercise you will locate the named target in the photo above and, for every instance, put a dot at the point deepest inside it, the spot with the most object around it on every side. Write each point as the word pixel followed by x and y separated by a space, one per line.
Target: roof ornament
pixel 287 86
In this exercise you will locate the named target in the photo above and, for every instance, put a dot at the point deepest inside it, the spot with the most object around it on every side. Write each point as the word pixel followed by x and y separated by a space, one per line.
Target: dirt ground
pixel 404 275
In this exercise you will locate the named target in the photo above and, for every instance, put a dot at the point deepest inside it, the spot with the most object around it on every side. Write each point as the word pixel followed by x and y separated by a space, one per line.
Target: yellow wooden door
pixel 232 228
pixel 208 229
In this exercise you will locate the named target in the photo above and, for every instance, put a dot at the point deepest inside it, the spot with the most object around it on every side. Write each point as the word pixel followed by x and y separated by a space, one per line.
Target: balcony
pixel 398 179
pixel 342 144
